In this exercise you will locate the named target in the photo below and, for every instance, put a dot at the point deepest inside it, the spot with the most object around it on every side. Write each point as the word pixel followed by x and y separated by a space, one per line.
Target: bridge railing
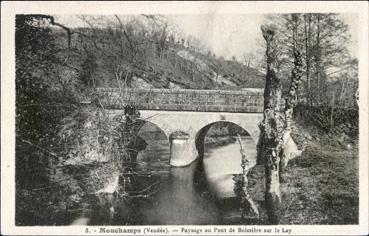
pixel 245 100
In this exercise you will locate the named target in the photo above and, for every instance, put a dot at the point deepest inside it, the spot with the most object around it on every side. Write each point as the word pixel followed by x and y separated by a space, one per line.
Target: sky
pixel 227 35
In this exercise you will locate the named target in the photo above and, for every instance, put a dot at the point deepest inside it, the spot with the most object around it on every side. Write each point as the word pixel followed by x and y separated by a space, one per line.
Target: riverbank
pixel 223 133
pixel 86 161
pixel 212 142
pixel 321 187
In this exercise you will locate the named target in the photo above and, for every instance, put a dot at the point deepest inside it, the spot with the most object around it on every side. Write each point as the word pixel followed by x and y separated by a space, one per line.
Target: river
pixel 201 193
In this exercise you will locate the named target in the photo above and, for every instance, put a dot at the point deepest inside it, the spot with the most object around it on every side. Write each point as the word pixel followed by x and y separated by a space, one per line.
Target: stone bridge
pixel 186 115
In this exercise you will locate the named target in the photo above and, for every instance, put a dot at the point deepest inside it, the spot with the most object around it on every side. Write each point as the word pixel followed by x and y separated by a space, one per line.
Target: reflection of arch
pixel 200 135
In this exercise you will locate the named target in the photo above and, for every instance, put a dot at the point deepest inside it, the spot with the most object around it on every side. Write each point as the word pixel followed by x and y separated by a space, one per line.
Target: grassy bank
pixel 321 187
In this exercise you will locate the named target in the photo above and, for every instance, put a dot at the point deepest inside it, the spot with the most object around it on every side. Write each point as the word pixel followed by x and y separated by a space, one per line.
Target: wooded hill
pixel 139 56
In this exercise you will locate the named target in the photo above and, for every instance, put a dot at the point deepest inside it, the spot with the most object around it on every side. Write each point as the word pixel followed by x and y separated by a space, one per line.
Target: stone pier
pixel 182 149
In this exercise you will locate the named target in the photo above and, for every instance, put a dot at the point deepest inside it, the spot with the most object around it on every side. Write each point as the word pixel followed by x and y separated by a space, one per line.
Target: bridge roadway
pixel 186 115
pixel 247 100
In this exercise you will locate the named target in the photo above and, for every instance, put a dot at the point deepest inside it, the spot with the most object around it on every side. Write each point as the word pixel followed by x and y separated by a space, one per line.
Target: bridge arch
pixel 201 134
pixel 145 124
pixel 191 123
pixel 156 142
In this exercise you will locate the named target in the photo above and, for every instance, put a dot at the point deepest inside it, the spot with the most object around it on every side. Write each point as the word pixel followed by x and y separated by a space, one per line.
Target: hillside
pixel 175 65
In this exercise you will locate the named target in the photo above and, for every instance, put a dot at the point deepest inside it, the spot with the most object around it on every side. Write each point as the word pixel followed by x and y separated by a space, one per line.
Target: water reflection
pixel 221 163
pixel 201 193
pixel 181 202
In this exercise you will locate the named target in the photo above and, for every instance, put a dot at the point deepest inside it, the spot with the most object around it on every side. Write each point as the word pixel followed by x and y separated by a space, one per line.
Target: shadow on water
pixel 198 194
pixel 181 202
pixel 182 198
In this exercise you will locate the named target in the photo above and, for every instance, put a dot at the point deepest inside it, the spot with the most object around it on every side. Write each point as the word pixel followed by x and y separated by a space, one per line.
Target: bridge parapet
pixel 242 101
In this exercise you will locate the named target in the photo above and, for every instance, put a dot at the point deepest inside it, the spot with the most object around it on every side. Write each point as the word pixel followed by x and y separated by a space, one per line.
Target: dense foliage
pixel 40 104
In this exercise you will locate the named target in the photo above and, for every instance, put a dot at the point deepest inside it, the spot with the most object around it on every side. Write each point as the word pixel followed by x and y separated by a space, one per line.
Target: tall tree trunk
pixel 317 60
pixel 343 91
pixel 291 99
pixel 307 18
pixel 331 122
pixel 272 129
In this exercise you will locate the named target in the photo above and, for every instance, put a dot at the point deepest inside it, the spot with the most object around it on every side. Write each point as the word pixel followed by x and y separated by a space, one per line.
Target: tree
pixel 35 65
pixel 276 125
pixel 126 46
pixel 40 100
pixel 271 128
pixel 88 69
pixel 329 50
pixel 291 100
pixel 248 59
pixel 307 32
pixel 323 39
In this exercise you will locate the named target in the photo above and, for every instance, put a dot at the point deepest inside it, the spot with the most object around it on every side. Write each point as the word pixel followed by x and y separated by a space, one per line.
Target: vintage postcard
pixel 184 118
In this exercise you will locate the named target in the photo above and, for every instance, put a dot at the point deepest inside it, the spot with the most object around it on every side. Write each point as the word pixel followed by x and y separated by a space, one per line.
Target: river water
pixel 201 193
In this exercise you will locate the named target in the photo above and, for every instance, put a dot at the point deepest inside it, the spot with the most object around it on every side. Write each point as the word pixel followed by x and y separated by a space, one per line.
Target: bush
pixel 324 118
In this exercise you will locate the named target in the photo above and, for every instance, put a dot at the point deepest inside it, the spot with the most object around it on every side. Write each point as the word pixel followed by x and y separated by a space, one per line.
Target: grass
pixel 321 187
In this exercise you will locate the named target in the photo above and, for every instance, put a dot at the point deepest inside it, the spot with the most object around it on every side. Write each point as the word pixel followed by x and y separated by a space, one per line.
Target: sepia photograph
pixel 209 118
